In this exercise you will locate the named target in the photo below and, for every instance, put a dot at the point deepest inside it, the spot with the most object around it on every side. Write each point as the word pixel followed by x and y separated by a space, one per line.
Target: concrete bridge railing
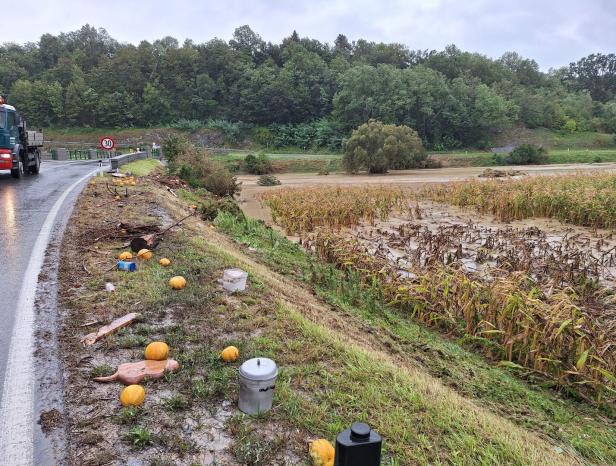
pixel 119 160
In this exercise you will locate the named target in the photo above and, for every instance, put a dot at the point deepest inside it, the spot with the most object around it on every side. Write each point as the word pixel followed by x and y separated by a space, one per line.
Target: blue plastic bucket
pixel 127 266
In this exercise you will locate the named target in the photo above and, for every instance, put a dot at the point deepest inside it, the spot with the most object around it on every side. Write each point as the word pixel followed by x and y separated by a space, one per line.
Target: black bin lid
pixel 360 431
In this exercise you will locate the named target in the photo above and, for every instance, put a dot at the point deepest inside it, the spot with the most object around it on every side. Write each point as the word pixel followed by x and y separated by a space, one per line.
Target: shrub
pixel 221 182
pixel 214 207
pixel 570 126
pixel 258 165
pixel 263 136
pixel 316 134
pixel 174 145
pixel 377 147
pixel 196 166
pixel 527 154
pixel 268 180
pixel 184 124
pixel 231 131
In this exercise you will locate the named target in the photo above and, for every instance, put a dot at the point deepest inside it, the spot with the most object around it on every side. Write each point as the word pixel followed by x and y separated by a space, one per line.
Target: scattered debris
pixel 492 173
pixel 110 287
pixel 257 384
pixel 102 332
pixel 150 241
pixel 134 372
pixel 127 266
pixel 234 280
pixel 50 420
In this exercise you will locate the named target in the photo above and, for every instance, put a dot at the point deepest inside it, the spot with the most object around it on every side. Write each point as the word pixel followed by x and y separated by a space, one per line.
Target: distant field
pixel 579 147
pixel 288 163
pixel 307 163
pixel 480 159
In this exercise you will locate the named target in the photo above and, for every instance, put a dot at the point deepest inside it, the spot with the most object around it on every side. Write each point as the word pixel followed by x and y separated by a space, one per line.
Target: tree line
pixel 301 91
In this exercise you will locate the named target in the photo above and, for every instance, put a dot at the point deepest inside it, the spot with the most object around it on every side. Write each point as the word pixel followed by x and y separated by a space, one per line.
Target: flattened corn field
pixel 535 297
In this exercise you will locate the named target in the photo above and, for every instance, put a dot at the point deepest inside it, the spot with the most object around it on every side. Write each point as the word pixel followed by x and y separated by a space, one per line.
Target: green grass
pixel 102 370
pixel 175 403
pixel 287 162
pixel 577 140
pixel 141 167
pixel 560 156
pixel 128 415
pixel 576 425
pixel 139 437
pixel 312 163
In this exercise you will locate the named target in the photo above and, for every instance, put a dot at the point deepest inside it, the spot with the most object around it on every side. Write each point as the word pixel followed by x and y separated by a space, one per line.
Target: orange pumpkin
pixel 133 395
pixel 177 283
pixel 144 254
pixel 230 354
pixel 157 351
pixel 322 453
pixel 125 256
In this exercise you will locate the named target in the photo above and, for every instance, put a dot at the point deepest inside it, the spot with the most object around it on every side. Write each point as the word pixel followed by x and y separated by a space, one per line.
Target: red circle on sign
pixel 107 143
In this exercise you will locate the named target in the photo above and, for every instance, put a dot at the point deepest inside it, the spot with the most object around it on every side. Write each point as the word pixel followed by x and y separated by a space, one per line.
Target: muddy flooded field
pixel 534 293
pixel 550 252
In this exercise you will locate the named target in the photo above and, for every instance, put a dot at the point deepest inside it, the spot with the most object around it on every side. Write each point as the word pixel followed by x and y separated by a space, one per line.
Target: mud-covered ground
pixel 552 253
pixel 189 417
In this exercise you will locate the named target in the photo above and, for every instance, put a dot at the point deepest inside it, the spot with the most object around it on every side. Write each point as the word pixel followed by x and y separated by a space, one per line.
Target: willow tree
pixel 377 148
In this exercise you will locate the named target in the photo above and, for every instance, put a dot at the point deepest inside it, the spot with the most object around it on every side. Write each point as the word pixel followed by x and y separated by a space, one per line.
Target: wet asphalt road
pixel 24 205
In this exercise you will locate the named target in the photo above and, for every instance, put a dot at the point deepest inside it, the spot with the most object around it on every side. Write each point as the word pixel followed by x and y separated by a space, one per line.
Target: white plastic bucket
pixel 257 383
pixel 234 280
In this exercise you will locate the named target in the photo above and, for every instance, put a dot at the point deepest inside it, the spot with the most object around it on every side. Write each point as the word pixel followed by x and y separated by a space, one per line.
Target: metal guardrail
pixel 81 154
pixel 119 160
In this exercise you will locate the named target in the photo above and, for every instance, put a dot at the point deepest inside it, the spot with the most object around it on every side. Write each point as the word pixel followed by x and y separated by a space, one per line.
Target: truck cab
pixel 19 148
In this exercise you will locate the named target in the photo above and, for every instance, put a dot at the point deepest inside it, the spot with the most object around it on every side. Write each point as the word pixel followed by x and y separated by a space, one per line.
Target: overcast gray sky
pixel 552 32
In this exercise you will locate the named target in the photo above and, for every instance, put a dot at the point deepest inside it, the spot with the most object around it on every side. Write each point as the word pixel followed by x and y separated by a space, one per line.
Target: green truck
pixel 20 149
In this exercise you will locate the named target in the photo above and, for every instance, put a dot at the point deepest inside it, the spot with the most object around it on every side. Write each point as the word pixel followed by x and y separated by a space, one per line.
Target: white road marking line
pixel 17 408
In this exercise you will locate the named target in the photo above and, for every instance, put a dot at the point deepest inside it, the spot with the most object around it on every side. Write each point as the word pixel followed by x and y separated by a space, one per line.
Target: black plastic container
pixel 358 446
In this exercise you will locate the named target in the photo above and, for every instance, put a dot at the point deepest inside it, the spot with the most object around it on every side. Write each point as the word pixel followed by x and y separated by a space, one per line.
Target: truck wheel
pixel 18 172
pixel 34 169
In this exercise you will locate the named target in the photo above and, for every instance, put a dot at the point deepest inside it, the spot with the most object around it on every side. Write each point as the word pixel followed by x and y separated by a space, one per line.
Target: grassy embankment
pixel 344 356
pixel 141 167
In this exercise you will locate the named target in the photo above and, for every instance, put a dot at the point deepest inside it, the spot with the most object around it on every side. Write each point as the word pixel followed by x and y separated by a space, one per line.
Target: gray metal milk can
pixel 257 383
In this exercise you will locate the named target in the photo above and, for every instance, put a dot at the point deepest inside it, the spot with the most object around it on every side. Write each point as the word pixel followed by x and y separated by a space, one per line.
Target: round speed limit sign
pixel 107 143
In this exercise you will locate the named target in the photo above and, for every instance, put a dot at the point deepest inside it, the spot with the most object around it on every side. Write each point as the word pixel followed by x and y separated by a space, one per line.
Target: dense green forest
pixel 301 92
